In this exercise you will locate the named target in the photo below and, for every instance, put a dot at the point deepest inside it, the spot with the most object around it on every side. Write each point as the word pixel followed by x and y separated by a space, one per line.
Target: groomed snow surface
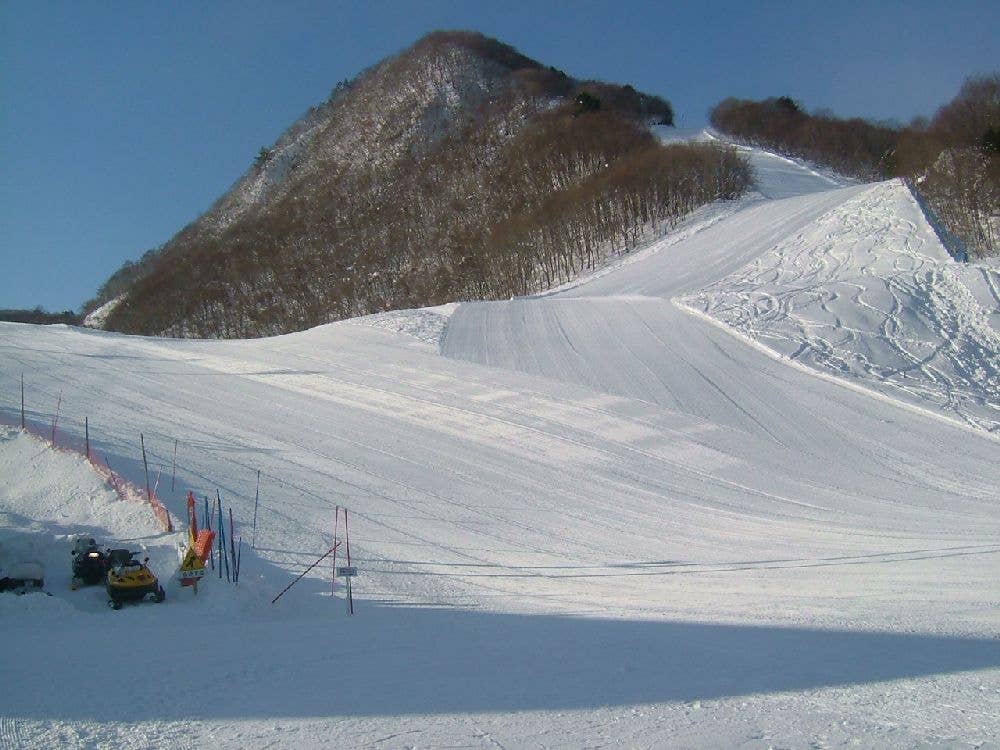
pixel 738 489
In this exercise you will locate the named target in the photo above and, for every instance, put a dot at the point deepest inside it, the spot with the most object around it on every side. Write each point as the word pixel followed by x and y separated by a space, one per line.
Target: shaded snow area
pixel 581 519
pixel 868 293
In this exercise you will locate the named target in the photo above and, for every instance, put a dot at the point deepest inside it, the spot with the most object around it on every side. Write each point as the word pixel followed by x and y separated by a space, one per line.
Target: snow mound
pixel 50 497
pixel 426 324
pixel 868 293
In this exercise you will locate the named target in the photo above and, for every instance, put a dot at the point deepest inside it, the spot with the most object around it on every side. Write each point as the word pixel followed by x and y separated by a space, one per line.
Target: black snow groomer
pixel 90 565
pixel 130 580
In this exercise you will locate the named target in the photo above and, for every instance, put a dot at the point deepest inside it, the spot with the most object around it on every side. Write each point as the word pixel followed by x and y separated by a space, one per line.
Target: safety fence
pixel 45 426
pixel 125 489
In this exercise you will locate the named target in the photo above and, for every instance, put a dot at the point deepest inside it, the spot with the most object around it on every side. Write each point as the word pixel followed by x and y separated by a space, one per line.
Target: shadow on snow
pixel 403 660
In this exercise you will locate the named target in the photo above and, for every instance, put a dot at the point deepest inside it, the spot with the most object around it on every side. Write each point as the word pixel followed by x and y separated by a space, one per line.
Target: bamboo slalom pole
pixel 347 539
pixel 239 555
pixel 145 466
pixel 208 525
pixel 336 523
pixel 173 475
pixel 55 419
pixel 232 542
pixel 256 500
pixel 224 558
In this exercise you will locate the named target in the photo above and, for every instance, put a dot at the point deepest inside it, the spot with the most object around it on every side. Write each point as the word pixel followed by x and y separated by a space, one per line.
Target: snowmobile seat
pixel 118 557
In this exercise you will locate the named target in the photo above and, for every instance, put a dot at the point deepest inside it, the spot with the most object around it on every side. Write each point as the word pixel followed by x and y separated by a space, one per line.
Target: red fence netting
pixel 125 489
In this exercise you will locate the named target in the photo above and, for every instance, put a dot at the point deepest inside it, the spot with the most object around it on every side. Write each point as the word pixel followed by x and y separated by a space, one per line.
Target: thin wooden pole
pixel 222 541
pixel 173 474
pixel 219 533
pixel 336 524
pixel 55 419
pixel 22 400
pixel 232 542
pixel 239 555
pixel 256 500
pixel 145 466
pixel 347 540
pixel 192 510
pixel 208 525
pixel 86 435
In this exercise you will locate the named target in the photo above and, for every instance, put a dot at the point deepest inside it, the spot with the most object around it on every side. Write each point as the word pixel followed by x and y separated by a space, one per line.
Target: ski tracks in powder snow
pixel 868 294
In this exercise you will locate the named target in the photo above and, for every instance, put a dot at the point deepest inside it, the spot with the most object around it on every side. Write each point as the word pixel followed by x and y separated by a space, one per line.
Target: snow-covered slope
pixel 869 294
pixel 852 282
pixel 599 519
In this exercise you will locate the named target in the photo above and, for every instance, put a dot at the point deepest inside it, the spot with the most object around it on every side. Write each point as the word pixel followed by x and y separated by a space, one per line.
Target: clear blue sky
pixel 122 122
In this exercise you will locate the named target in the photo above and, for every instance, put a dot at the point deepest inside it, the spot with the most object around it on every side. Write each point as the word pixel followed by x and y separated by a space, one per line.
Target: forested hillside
pixel 459 169
pixel 953 159
pixel 39 316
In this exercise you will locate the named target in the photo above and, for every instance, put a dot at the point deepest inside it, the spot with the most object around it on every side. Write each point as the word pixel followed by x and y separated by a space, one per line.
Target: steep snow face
pixel 780 177
pixel 620 334
pixel 867 293
pixel 426 325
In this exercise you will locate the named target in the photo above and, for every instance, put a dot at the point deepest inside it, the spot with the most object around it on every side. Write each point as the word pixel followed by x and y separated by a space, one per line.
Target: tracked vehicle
pixel 90 564
pixel 130 580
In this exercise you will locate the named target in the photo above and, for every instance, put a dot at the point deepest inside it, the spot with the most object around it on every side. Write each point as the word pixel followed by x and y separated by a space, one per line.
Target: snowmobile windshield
pixel 119 556
pixel 84 545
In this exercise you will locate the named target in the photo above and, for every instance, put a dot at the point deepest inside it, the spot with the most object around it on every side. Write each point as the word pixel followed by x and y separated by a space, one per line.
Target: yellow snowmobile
pixel 130 580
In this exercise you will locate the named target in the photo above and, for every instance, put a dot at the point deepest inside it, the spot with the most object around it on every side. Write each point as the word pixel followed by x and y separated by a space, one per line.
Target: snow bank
pixel 50 497
pixel 426 324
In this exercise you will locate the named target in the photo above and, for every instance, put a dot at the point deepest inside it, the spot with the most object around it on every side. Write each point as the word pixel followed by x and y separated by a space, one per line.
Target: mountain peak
pixel 434 175
pixel 479 44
